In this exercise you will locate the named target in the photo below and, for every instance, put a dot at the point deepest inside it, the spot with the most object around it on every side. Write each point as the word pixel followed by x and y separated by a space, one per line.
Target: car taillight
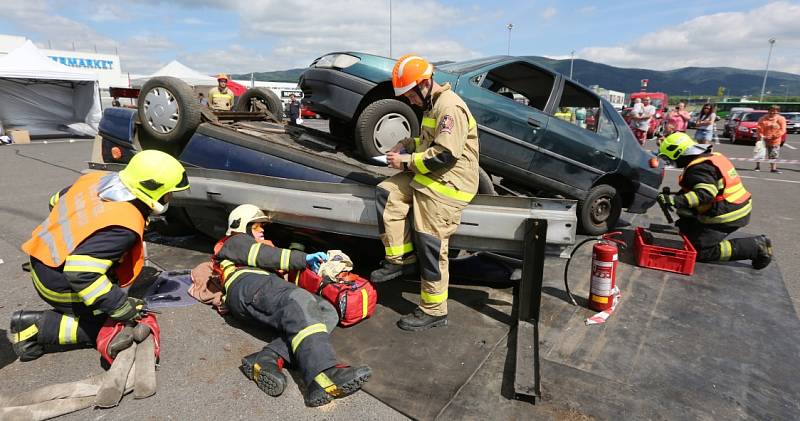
pixel 116 153
pixel 654 162
pixel 337 61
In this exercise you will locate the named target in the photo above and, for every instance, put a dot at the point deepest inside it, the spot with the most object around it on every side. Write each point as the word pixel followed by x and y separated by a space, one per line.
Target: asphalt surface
pixel 199 377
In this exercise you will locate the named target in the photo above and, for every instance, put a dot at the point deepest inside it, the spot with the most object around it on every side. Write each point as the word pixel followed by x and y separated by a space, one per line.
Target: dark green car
pixel 588 153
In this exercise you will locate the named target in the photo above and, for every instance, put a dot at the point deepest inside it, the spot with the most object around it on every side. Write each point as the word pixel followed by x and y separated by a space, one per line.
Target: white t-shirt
pixel 645 110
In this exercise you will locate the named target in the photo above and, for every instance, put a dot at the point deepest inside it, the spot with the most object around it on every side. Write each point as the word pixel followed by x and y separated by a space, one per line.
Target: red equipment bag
pixel 353 297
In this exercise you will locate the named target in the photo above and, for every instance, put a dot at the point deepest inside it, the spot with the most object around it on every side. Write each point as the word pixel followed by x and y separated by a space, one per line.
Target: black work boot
pixel 25 334
pixel 389 271
pixel 266 369
pixel 420 320
pixel 336 382
pixel 764 256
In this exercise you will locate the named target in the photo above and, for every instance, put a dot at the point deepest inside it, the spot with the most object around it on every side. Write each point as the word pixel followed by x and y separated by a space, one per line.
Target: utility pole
pixel 390 28
pixel 510 27
pixel 571 62
pixel 766 70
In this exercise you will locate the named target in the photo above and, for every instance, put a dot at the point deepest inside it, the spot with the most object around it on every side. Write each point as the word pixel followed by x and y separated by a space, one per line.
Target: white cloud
pixel 732 39
pixel 106 12
pixel 548 13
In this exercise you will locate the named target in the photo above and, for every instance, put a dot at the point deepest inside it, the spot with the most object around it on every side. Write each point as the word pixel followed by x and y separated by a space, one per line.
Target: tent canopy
pixel 180 71
pixel 44 97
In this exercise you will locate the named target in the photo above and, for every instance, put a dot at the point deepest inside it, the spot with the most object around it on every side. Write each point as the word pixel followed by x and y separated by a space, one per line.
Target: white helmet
pixel 244 215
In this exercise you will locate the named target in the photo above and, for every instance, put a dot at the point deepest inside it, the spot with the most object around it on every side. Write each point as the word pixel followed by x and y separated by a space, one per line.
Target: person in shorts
pixel 771 128
pixel 706 123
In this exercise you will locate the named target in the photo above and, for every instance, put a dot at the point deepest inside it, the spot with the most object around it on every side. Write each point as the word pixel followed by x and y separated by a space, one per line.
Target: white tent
pixel 45 97
pixel 180 71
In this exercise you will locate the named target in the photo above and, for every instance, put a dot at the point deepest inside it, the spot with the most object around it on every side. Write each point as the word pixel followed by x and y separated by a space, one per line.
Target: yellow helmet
pixel 222 76
pixel 151 174
pixel 674 145
pixel 244 215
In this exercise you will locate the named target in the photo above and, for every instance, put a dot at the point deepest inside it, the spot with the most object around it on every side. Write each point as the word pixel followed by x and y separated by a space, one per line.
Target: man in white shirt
pixel 641 119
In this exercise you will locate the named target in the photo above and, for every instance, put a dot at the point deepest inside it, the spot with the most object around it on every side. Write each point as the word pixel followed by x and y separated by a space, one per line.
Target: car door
pixel 507 101
pixel 576 152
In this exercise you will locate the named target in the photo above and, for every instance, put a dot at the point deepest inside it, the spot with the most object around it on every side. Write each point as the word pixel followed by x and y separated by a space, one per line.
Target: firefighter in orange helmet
pixel 221 98
pixel 439 178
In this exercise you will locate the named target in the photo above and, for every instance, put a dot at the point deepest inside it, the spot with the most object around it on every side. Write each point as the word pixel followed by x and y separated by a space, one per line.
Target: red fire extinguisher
pixel 603 277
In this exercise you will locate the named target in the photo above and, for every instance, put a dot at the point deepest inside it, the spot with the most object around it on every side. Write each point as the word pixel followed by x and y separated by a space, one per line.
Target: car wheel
pixel 264 96
pixel 168 110
pixel 600 211
pixel 382 124
pixel 485 184
pixel 339 128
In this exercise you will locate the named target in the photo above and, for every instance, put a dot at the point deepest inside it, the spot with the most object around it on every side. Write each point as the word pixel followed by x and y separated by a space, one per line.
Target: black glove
pixel 666 199
pixel 131 309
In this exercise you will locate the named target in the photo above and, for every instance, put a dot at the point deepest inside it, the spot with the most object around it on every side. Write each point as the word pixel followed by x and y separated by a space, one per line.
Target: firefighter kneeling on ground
pixel 88 249
pixel 238 272
pixel 440 178
pixel 712 204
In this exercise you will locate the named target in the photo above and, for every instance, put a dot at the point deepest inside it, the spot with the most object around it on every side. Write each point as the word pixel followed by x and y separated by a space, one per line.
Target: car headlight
pixel 337 61
pixel 743 129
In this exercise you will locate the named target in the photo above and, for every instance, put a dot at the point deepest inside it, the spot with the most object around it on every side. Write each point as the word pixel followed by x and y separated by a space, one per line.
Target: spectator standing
pixel 641 119
pixel 202 99
pixel 771 129
pixel 294 109
pixel 580 117
pixel 678 118
pixel 706 123
pixel 115 102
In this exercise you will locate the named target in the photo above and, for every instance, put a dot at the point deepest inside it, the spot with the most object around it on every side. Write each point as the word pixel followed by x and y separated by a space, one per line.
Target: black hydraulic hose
pixel 566 267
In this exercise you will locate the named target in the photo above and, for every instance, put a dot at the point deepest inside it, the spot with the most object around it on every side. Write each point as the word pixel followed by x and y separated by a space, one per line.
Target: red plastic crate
pixel 664 258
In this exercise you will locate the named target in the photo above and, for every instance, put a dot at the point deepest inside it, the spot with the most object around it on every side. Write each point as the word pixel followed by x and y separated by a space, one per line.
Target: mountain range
pixel 687 81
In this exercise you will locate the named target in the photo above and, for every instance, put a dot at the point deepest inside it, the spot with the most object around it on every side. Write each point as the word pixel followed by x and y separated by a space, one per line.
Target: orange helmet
pixel 409 71
pixel 222 76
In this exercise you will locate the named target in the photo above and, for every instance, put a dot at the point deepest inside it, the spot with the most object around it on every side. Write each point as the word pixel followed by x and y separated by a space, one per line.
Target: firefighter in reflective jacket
pixel 221 98
pixel 242 263
pixel 440 178
pixel 712 204
pixel 88 249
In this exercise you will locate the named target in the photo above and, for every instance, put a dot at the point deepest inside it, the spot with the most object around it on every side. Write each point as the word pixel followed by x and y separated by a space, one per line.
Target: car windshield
pixel 468 66
pixel 752 116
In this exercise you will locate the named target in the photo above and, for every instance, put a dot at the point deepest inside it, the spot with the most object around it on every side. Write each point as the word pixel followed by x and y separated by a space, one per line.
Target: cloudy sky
pixel 240 36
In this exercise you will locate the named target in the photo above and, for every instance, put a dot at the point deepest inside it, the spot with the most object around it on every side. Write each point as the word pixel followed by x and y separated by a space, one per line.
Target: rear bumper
pixel 333 93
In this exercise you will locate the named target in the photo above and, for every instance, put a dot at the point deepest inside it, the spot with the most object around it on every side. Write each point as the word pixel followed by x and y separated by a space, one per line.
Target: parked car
pixel 792 122
pixel 746 129
pixel 601 165
pixel 692 123
pixel 306 113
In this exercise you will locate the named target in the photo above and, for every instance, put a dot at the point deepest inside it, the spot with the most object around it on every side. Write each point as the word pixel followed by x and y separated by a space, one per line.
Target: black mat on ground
pixel 721 344
pixel 417 373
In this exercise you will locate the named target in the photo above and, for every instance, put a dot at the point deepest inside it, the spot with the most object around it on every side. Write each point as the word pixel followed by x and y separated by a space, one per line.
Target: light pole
pixel 390 28
pixel 510 27
pixel 786 94
pixel 571 62
pixel 688 96
pixel 766 70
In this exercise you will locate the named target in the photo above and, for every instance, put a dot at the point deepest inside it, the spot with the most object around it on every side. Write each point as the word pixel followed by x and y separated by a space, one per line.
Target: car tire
pixel 168 110
pixel 382 124
pixel 265 96
pixel 485 184
pixel 600 210
pixel 340 129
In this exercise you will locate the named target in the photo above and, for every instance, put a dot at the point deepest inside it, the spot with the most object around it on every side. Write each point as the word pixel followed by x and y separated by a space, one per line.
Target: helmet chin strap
pixel 159 209
pixel 427 100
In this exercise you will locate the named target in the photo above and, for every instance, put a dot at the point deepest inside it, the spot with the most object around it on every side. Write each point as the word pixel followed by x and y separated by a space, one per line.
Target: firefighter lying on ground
pixel 239 271
pixel 712 204
pixel 88 248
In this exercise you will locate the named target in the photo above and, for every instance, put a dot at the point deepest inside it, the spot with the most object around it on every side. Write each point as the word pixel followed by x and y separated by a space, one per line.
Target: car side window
pixel 578 106
pixel 605 126
pixel 520 82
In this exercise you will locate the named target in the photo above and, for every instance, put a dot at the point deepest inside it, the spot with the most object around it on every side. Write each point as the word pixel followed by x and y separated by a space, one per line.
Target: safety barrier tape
pixel 602 316
pixel 771 161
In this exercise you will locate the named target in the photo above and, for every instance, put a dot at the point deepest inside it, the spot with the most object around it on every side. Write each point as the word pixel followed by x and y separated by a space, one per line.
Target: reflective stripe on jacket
pixel 222 101
pixel 79 213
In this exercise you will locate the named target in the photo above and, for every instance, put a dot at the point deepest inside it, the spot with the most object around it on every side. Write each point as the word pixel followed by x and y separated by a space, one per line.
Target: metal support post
pixel 527 376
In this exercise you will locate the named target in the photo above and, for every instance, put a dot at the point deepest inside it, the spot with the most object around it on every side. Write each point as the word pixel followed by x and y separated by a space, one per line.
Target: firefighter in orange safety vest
pixel 88 249
pixel 712 204
pixel 439 178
